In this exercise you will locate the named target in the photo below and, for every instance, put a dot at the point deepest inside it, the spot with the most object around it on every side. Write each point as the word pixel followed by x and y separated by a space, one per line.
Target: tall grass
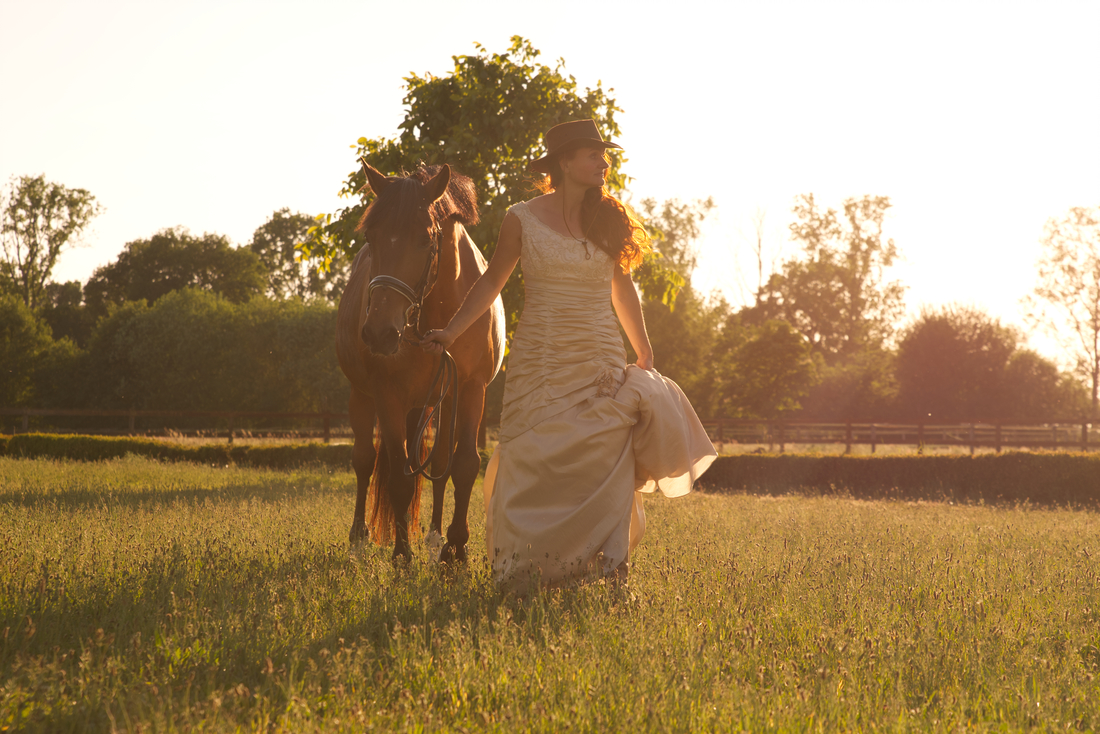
pixel 144 596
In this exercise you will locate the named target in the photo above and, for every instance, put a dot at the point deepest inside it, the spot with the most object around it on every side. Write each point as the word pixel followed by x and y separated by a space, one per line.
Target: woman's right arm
pixel 484 291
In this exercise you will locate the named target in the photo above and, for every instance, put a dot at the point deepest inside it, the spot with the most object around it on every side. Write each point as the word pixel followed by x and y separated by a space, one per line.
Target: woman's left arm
pixel 624 296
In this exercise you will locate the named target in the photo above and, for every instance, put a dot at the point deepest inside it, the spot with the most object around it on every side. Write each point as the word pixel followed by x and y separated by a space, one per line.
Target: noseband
pixel 423 286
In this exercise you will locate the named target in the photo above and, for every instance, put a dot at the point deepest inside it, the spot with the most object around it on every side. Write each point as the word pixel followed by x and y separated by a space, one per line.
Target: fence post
pixel 1084 436
pixel 1054 433
pixel 920 434
pixel 721 433
pixel 328 428
pixel 26 422
pixel 847 438
pixel 971 439
pixel 782 438
pixel 132 417
pixel 874 438
pixel 998 438
pixel 230 429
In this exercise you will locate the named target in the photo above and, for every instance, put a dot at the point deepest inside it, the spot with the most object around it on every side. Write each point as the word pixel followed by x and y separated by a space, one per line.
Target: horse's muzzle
pixel 383 342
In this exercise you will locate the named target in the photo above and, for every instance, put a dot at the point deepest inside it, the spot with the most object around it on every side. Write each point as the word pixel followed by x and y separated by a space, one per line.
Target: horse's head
pixel 404 230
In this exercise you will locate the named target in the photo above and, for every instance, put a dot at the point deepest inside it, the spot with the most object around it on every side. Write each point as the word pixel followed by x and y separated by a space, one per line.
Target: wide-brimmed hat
pixel 569 136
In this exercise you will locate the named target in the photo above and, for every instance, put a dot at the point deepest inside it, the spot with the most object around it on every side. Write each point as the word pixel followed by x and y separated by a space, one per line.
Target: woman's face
pixel 585 166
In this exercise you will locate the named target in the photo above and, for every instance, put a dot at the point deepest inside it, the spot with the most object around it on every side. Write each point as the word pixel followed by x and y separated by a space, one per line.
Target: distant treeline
pixel 186 322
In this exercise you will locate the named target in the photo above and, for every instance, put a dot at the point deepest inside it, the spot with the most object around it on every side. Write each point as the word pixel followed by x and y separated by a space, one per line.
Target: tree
pixel 837 294
pixel 31 360
pixel 860 388
pixel 278 244
pixel 951 366
pixel 485 118
pixel 682 336
pixel 62 307
pixel 172 260
pixel 38 221
pixel 1039 393
pixel 1066 300
pixel 763 371
pixel 674 227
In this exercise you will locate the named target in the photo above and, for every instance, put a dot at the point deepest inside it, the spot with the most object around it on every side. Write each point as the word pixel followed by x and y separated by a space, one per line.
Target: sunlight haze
pixel 979 120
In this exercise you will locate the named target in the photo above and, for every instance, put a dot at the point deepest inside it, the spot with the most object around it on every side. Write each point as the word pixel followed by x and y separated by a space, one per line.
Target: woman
pixel 581 431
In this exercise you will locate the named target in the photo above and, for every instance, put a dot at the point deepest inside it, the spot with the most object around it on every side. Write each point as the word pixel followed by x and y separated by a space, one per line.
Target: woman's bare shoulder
pixel 540 205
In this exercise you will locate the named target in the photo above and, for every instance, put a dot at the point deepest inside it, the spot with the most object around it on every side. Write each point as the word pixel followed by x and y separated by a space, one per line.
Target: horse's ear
pixel 375 179
pixel 437 184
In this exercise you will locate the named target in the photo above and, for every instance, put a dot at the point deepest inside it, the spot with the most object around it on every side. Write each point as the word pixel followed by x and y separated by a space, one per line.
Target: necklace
pixel 566 220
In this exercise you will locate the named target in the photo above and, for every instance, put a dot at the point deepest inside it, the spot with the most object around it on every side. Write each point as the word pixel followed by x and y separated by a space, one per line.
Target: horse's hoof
pixel 402 557
pixel 359 534
pixel 452 554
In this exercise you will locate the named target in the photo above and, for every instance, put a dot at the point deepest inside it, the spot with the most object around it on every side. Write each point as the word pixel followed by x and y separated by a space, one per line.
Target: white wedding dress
pixel 582 433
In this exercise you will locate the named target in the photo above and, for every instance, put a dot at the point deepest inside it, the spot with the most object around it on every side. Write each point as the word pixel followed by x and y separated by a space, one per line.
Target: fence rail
pixel 723 430
pixel 973 435
pixel 233 417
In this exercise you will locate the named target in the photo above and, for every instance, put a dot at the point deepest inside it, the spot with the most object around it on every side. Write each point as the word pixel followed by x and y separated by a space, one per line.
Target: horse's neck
pixel 450 258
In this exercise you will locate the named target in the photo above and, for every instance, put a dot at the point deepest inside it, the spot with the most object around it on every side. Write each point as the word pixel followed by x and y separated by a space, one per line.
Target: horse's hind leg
pixel 467 462
pixel 363 455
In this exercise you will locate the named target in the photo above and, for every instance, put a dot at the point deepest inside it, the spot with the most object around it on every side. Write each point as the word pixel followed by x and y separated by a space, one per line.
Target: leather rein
pixel 446 374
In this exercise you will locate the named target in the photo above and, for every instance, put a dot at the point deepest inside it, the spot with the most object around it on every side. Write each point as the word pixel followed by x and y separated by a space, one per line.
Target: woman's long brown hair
pixel 609 223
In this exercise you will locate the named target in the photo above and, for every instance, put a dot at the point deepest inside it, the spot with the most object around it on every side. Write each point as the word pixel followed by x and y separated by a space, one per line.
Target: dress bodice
pixel 550 255
pixel 567 345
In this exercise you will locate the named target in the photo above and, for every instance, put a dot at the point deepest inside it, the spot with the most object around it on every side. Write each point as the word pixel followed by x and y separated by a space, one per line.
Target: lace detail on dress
pixel 553 256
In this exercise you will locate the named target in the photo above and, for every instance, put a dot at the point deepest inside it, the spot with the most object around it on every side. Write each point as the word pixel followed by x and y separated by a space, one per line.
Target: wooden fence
pixel 233 419
pixel 973 435
pixel 723 430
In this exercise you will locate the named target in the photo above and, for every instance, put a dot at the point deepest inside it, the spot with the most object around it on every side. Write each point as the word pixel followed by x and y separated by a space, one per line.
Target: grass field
pixel 143 596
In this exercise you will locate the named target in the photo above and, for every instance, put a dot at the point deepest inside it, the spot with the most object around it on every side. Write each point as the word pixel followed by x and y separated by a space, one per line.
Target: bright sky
pixel 978 119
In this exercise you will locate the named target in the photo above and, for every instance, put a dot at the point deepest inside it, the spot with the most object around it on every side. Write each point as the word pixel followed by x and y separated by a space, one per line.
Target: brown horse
pixel 417 265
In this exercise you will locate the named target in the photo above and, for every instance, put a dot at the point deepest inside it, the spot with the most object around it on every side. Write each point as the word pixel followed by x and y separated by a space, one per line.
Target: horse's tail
pixel 382 519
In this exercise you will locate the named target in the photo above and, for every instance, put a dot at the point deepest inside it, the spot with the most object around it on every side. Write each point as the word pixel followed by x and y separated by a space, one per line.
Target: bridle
pixel 445 375
pixel 423 287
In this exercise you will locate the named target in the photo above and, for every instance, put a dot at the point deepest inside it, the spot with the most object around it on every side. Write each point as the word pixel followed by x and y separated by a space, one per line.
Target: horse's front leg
pixel 363 454
pixel 400 488
pixel 467 463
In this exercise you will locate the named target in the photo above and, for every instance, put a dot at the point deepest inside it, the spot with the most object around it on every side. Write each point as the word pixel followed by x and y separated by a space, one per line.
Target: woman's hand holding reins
pixel 437 341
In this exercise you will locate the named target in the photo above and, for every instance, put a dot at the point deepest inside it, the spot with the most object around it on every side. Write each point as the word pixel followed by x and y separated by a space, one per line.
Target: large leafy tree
pixel 278 245
pixel 62 307
pixel 38 221
pixel 171 260
pixel 951 366
pixel 837 293
pixel 33 364
pixel 485 118
pixel 1066 300
pixel 1040 393
pixel 763 371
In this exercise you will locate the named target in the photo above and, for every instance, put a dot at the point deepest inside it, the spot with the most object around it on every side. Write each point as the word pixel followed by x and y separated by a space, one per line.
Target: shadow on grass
pixel 84 499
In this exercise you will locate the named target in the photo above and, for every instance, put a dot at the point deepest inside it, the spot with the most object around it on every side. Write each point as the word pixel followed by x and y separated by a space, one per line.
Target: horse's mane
pixel 401 201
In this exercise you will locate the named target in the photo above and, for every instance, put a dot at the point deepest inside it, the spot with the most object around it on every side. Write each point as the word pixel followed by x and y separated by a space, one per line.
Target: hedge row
pixel 1053 478
pixel 99 448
